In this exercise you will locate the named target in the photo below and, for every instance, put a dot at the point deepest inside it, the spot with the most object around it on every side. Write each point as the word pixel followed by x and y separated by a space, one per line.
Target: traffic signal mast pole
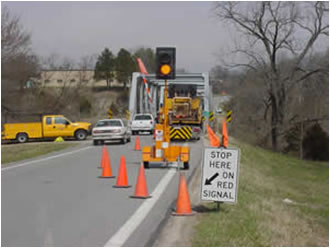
pixel 166 129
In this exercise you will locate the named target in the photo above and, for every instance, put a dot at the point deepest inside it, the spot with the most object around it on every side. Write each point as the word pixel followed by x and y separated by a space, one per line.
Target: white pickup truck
pixel 143 122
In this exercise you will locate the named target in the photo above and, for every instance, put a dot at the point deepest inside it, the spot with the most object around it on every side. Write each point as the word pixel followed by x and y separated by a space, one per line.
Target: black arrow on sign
pixel 208 181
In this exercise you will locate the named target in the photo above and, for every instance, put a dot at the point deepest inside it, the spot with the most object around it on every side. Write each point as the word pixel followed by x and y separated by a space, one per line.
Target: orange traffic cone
pixel 141 190
pixel 224 134
pixel 214 140
pixel 106 165
pixel 183 207
pixel 122 175
pixel 137 144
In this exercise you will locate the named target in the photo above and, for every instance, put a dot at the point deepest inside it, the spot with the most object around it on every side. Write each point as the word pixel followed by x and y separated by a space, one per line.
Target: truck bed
pixel 33 130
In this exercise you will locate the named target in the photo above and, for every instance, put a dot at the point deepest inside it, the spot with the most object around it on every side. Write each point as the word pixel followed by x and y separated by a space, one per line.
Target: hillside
pixel 282 201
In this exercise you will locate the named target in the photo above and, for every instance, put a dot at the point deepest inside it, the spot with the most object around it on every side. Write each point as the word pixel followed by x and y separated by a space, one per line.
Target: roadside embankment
pixel 16 152
pixel 282 201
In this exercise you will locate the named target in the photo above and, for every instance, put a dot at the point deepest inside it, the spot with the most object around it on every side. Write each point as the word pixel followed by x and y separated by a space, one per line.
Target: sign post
pixel 220 175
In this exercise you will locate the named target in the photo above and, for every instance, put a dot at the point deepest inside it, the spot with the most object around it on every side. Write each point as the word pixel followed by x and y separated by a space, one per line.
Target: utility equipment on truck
pixel 51 126
pixel 185 112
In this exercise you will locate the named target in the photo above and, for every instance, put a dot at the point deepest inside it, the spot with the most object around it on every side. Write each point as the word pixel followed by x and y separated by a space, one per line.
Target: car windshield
pixel 109 123
pixel 142 117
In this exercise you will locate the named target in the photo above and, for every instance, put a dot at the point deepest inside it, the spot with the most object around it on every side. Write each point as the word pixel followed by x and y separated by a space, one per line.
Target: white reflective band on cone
pixel 159 153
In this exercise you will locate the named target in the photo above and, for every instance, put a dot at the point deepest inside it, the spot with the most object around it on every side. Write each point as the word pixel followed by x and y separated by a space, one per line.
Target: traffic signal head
pixel 165 63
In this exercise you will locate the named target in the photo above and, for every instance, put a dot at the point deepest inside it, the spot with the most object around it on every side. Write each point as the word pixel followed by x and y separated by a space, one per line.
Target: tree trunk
pixel 274 124
pixel 278 103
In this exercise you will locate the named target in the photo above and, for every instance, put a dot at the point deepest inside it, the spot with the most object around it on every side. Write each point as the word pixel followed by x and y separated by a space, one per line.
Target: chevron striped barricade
pixel 180 133
pixel 211 116
pixel 229 116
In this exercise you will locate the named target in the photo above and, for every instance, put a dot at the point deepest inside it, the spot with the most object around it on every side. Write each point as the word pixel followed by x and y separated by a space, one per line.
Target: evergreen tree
pixel 105 65
pixel 125 66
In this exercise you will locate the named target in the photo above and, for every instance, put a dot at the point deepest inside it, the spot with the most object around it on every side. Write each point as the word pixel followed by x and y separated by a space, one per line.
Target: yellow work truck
pixel 51 126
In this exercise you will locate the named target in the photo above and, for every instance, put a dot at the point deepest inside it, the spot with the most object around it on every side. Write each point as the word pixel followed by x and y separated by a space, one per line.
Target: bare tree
pixel 271 30
pixel 14 40
pixel 17 61
pixel 18 64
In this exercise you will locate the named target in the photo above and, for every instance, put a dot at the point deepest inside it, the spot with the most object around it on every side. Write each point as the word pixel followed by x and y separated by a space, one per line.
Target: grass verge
pixel 261 216
pixel 16 152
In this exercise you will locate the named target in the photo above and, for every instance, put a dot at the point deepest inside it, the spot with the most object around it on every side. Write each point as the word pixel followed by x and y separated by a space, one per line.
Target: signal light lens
pixel 165 69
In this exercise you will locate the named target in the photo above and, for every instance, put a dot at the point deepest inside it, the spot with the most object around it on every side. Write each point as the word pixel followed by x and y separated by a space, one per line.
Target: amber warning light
pixel 165 69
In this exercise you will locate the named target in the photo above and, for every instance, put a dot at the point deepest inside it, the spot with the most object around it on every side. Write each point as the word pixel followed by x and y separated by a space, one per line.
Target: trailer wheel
pixel 21 137
pixel 186 165
pixel 146 165
pixel 80 134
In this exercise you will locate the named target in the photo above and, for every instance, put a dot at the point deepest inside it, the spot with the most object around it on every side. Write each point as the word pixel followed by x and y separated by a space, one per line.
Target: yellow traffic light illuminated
pixel 165 69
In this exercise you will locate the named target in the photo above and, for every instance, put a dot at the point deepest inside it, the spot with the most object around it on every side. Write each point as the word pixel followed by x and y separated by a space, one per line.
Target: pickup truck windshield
pixel 111 123
pixel 142 117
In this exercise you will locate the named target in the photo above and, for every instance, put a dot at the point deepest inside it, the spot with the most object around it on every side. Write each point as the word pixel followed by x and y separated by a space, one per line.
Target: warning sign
pixel 220 175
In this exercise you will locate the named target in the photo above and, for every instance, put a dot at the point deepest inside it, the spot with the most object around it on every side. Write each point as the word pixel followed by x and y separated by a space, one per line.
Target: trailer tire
pixel 80 134
pixel 146 165
pixel 22 137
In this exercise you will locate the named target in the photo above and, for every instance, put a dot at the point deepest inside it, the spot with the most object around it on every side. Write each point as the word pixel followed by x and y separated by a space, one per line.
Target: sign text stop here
pixel 220 175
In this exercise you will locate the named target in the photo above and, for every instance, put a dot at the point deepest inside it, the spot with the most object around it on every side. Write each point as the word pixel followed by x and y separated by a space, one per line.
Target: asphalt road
pixel 59 200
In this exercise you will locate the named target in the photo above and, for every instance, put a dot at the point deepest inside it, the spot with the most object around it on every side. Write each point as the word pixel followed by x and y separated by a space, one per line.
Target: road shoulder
pixel 179 230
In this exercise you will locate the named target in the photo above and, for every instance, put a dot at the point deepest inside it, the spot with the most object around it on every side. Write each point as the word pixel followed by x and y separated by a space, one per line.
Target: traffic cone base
pixel 125 186
pixel 184 214
pixel 107 177
pixel 140 197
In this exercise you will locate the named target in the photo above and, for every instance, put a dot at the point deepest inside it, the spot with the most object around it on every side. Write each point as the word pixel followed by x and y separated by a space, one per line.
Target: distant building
pixel 72 78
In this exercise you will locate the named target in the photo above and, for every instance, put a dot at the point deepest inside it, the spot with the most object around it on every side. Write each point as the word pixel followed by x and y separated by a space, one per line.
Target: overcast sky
pixel 76 29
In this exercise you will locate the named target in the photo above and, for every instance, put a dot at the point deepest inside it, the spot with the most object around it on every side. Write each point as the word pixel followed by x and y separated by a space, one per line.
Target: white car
pixel 111 129
pixel 219 111
pixel 143 122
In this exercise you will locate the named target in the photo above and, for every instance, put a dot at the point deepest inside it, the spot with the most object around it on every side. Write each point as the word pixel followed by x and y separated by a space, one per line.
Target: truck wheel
pixel 146 165
pixel 186 165
pixel 21 137
pixel 95 142
pixel 80 135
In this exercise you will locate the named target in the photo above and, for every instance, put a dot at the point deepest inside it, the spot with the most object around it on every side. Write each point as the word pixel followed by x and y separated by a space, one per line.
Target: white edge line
pixel 43 159
pixel 121 236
